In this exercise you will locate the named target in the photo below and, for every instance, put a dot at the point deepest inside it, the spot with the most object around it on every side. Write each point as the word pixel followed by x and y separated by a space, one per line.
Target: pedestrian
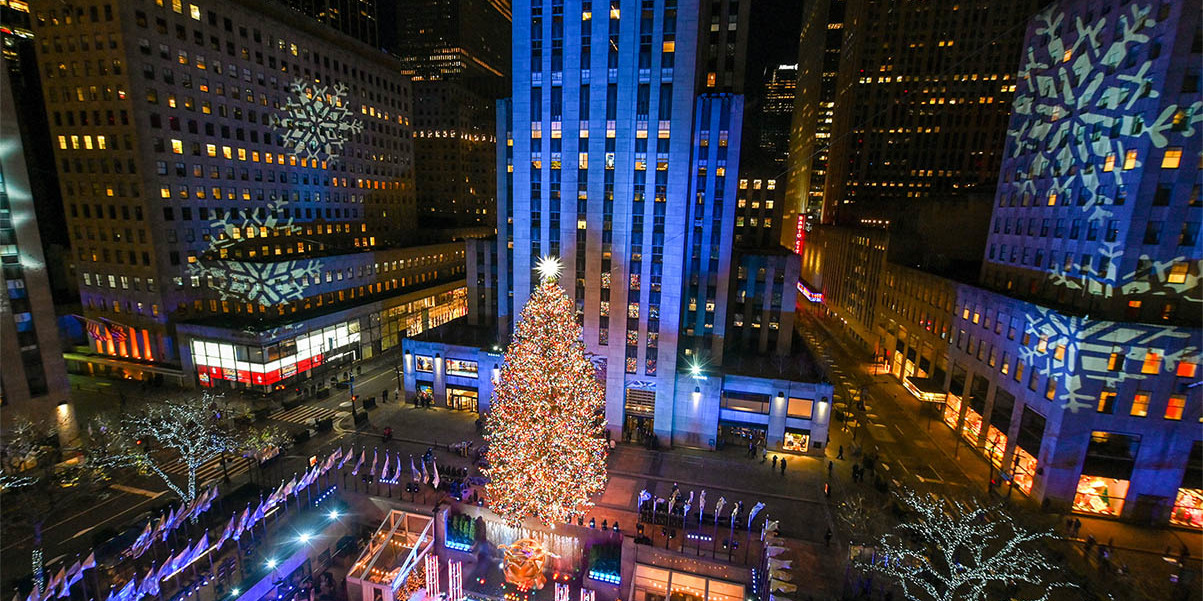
pixel 830 466
pixel 840 455
pixel 827 537
pixel 1077 526
pixel 782 466
pixel 774 462
pixel 751 449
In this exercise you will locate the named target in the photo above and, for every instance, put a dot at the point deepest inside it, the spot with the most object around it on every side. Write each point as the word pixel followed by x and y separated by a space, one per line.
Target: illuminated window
pixel 1130 159
pixel 177 146
pixel 1187 369
pixel 670 46
pixel 1172 157
pixel 1109 163
pixel 1115 362
pixel 1152 363
pixel 1052 198
pixel 1060 352
pixel 1106 402
pixel 1177 273
pixel 1051 392
pixel 1176 407
pixel 1140 404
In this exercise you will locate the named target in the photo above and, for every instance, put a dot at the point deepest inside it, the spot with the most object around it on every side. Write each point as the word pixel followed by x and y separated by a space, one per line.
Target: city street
pixel 915 449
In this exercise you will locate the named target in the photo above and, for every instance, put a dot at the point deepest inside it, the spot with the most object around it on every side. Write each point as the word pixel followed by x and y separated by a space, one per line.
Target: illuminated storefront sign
pixel 264 366
pixel 811 295
pixel 424 363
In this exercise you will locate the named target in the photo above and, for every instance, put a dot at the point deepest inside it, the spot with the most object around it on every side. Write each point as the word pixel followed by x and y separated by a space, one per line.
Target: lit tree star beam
pixel 547 450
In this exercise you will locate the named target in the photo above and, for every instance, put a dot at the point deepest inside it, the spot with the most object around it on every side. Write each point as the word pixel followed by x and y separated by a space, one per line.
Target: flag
pixel 246 513
pixel 291 486
pixel 116 330
pixel 127 592
pixel 54 583
pixel 168 523
pixel 180 560
pixel 752 514
pixel 434 469
pixel 345 457
pixel 363 454
pixel 425 474
pixel 229 530
pixel 259 513
pixel 397 469
pixel 384 470
pixel 202 547
pixel 701 506
pixel 141 544
pixel 90 562
pixel 413 469
pixel 150 583
pixel 372 472
pixel 75 574
pixel 96 330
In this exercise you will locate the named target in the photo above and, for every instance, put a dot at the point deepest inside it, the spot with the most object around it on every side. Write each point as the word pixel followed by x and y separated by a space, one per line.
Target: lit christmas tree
pixel 547 451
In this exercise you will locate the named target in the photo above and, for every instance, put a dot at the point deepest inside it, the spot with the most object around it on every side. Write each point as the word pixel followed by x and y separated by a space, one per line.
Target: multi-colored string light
pixel 547 451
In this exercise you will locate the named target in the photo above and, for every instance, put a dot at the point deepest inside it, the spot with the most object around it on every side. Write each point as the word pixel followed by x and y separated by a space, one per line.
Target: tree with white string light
pixel 963 551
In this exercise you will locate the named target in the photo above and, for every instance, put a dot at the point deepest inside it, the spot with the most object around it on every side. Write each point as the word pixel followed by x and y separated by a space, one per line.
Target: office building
pixel 222 233
pixel 458 54
pixel 355 18
pixel 819 46
pixel 33 377
pixel 921 103
pixel 758 211
pixel 777 113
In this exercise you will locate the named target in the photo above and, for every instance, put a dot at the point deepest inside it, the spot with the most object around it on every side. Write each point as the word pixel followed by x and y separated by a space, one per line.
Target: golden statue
pixel 524 561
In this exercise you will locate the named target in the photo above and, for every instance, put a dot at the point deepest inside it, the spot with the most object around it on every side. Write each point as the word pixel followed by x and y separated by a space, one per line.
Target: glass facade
pixel 267 365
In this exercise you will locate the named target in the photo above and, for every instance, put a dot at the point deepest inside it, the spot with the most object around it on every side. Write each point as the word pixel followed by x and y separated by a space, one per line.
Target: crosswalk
pixel 211 470
pixel 302 414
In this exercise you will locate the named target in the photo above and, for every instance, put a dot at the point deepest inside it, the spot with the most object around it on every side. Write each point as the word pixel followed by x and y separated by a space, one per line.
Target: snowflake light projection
pixel 1081 368
pixel 257 282
pixel 318 120
pixel 1081 103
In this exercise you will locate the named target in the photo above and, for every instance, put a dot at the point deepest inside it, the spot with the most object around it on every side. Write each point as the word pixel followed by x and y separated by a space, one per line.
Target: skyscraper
pixel 457 53
pixel 239 191
pixel 777 113
pixel 820 43
pixel 921 101
pixel 33 377
pixel 355 18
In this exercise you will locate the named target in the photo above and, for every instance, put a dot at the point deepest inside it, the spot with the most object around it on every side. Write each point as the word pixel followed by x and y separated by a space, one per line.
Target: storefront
pixel 463 399
pixel 952 410
pixel 1106 473
pixel 973 426
pixel 741 435
pixel 796 441
pixel 996 446
pixel 262 367
pixel 639 411
pixel 1188 505
pixel 1025 470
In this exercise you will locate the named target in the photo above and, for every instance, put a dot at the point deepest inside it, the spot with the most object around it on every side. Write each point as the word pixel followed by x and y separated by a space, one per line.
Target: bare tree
pixel 863 520
pixel 962 551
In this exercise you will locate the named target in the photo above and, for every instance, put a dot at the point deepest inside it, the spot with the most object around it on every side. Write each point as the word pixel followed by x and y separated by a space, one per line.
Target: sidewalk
pixel 944 454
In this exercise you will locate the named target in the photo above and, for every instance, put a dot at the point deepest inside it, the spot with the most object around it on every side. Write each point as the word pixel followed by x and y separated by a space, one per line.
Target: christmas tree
pixel 547 451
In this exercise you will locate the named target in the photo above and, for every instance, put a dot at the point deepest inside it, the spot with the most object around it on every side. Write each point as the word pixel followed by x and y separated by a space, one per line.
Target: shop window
pixel 800 408
pixel 1100 495
pixel 1107 402
pixel 796 441
pixel 461 367
pixel 1106 472
pixel 751 403
pixel 952 410
pixel 424 363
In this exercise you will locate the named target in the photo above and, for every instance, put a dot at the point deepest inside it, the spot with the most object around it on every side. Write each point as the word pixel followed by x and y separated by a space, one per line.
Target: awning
pixel 928 390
